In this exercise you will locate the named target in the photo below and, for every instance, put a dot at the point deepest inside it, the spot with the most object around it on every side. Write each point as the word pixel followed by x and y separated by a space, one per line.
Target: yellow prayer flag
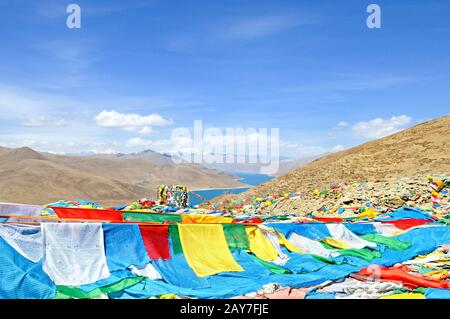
pixel 259 245
pixel 206 250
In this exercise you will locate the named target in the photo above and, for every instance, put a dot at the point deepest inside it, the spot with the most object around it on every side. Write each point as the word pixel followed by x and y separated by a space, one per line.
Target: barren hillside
pixel 30 177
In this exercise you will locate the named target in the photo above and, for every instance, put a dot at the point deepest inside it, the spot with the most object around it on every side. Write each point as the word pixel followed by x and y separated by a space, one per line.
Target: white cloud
pixel 116 119
pixel 359 82
pixel 16 102
pixel 140 130
pixel 301 150
pixel 288 145
pixel 423 120
pixel 52 10
pixel 43 121
pixel 304 150
pixel 131 122
pixel 139 142
pixel 11 142
pixel 56 152
pixel 340 126
pixel 337 148
pixel 379 127
pixel 108 151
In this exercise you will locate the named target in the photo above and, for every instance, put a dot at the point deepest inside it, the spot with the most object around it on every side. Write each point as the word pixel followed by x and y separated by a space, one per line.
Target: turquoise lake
pixel 247 178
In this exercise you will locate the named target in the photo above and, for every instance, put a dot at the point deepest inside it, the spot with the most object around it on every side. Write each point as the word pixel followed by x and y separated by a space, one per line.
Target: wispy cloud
pixel 17 102
pixel 43 121
pixel 262 26
pixel 302 150
pixel 185 43
pixel 236 29
pixel 379 127
pixel 340 125
pixel 53 9
pixel 358 82
pixel 337 148
pixel 66 63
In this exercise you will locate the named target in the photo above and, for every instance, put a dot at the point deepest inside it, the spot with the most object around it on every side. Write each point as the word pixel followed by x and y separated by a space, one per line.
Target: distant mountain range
pixel 241 163
pixel 31 177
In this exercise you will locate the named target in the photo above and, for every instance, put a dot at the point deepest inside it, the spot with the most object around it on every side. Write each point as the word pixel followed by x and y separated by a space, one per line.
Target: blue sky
pixel 138 69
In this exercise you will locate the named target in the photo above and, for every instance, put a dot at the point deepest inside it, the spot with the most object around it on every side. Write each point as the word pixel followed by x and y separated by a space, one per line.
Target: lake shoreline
pixel 222 188
pixel 249 179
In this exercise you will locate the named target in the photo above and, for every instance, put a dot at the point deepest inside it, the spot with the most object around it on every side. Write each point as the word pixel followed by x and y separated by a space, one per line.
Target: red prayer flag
pixel 253 220
pixel 401 274
pixel 156 241
pixel 87 213
pixel 329 219
pixel 407 223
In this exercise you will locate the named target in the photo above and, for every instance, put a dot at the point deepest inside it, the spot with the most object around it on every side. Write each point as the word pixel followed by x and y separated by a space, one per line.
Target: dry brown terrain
pixel 30 177
pixel 422 149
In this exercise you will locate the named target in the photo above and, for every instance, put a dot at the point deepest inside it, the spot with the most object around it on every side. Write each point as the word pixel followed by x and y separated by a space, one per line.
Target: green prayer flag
pixel 389 242
pixel 67 292
pixel 175 239
pixel 148 217
pixel 420 290
pixel 325 259
pixel 236 236
pixel 363 253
